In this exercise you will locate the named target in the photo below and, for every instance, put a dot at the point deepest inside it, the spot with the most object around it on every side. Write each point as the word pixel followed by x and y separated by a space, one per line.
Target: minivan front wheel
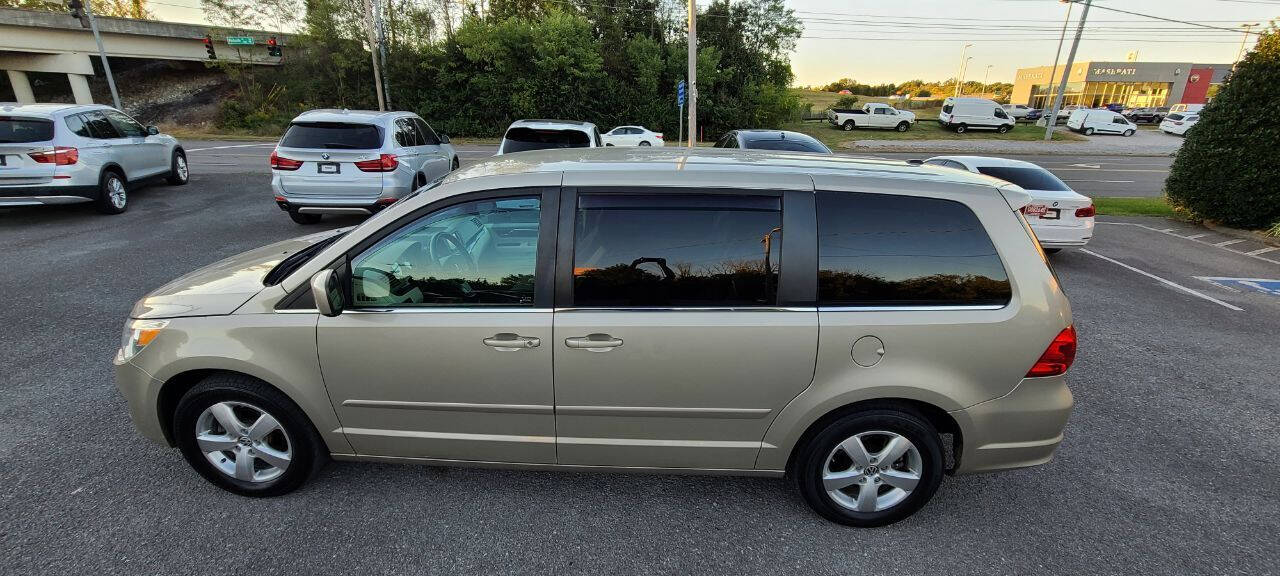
pixel 246 437
pixel 871 468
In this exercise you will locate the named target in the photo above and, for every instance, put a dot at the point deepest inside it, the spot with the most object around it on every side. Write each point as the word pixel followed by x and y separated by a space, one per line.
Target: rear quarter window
pixel 23 130
pixel 332 136
pixel 887 250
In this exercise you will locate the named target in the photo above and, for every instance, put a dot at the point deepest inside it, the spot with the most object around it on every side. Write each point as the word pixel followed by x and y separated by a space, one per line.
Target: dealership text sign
pixel 1115 71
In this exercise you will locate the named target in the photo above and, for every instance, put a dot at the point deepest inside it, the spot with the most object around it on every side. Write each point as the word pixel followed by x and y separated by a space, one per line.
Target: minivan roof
pixel 673 160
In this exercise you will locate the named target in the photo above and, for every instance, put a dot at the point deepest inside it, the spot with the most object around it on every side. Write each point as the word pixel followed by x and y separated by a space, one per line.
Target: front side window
pixel 948 108
pixel 1000 113
pixel 882 111
pixel 429 136
pixel 887 250
pixel 126 126
pixel 477 253
pixel 676 250
pixel 100 127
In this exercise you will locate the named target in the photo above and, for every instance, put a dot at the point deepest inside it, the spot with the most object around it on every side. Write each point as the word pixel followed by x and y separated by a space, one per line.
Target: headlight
pixel 137 334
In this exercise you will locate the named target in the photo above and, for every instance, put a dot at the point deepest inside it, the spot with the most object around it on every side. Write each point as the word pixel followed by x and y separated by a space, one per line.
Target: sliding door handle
pixel 508 342
pixel 593 342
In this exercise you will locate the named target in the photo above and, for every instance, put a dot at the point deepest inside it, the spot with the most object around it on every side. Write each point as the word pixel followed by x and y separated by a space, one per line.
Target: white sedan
pixel 1179 122
pixel 632 136
pixel 1059 216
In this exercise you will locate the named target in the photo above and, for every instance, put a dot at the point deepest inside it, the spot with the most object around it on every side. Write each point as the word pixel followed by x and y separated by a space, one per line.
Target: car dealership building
pixel 1134 84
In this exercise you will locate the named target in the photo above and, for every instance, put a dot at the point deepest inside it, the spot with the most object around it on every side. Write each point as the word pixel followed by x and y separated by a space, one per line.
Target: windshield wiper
pixel 296 260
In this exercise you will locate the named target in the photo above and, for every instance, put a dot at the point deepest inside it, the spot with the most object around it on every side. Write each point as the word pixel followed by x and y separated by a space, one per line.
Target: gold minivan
pixel 862 327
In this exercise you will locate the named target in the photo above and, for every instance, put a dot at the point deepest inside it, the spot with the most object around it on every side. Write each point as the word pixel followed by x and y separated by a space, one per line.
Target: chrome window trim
pixel 911 308
pixel 447 310
pixel 689 309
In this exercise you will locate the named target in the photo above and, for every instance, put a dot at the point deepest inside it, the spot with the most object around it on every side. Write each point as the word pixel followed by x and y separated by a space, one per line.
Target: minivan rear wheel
pixel 960 129
pixel 246 437
pixel 871 468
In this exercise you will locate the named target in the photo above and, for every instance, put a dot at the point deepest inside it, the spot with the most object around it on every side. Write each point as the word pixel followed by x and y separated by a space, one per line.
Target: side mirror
pixel 444 138
pixel 327 293
pixel 152 130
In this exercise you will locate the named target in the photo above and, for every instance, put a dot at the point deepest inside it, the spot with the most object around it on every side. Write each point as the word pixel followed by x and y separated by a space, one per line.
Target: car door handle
pixel 593 342
pixel 508 342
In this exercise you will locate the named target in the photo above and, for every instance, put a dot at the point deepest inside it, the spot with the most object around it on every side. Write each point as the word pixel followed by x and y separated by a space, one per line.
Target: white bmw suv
pixel 355 162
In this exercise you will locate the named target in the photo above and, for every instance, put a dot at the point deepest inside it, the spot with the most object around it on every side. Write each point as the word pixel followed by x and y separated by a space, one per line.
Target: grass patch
pixel 1128 206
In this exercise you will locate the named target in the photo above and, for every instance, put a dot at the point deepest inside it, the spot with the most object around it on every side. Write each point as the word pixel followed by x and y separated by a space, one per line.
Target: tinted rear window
pixel 18 130
pixel 524 139
pixel 332 135
pixel 676 250
pixel 1028 178
pixel 885 250
pixel 789 145
pixel 1175 116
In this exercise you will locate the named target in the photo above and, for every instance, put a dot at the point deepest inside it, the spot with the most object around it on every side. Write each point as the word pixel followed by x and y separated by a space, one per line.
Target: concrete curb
pixel 1246 234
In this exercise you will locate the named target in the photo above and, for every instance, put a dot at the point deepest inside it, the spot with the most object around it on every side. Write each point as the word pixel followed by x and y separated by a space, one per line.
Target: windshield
pixel 297 259
pixel 1027 178
pixel 22 130
pixel 332 136
pixel 521 139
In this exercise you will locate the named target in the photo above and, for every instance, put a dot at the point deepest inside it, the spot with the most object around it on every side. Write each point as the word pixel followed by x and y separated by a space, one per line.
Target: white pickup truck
pixel 872 115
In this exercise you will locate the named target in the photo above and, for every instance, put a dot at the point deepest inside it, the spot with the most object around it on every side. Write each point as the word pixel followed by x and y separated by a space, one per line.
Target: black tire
pixel 811 460
pixel 1003 128
pixel 1128 133
pixel 178 177
pixel 418 181
pixel 645 143
pixel 106 202
pixel 1088 131
pixel 309 453
pixel 848 125
pixel 903 126
pixel 961 128
pixel 304 219
pixel 456 164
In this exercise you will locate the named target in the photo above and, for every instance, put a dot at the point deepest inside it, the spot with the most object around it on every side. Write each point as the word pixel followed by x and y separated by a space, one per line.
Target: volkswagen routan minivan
pixel 861 327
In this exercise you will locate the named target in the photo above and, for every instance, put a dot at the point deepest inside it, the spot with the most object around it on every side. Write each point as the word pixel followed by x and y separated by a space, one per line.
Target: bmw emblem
pixel 325 155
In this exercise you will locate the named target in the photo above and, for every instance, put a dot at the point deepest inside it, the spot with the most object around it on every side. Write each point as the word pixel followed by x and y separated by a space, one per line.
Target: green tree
pixel 1229 164
pixel 846 102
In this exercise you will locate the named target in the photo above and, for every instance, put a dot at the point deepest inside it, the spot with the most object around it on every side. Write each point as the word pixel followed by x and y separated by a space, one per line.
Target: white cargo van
pixel 963 114
pixel 1088 121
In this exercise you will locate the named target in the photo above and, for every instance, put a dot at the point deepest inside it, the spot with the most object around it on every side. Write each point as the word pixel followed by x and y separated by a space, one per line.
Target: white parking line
pixel 1166 282
pixel 1257 255
pixel 231 146
pixel 1229 242
pixel 1262 250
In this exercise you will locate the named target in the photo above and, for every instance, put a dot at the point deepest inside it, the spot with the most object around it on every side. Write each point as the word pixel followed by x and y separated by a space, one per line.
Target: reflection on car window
pixel 886 250
pixel 676 250
pixel 332 136
pixel 100 127
pixel 478 253
pixel 1028 178
pixel 126 126
pixel 792 145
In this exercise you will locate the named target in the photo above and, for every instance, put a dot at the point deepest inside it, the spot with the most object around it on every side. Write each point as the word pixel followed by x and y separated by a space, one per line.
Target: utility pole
pixel 961 74
pixel 373 55
pixel 102 54
pixel 1058 54
pixel 1240 53
pixel 963 70
pixel 693 72
pixel 382 52
pixel 1062 85
pixel 985 75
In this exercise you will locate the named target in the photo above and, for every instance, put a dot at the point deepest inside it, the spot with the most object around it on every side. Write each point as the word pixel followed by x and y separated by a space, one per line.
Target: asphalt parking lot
pixel 1171 463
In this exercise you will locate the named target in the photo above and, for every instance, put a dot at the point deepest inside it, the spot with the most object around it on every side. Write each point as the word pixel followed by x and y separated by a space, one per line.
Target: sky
pixel 895 41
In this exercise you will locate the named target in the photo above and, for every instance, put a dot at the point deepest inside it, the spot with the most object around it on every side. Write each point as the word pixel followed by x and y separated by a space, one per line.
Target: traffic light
pixel 273 48
pixel 76 7
pixel 208 47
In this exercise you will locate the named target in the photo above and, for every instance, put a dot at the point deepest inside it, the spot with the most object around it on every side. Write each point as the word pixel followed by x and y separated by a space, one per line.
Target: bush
pixel 924 94
pixel 1229 164
pixel 846 102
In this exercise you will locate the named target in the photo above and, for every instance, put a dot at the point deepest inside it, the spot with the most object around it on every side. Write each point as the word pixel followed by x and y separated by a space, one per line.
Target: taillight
pixel 659 136
pixel 384 163
pixel 279 162
pixel 1086 212
pixel 1058 357
pixel 58 156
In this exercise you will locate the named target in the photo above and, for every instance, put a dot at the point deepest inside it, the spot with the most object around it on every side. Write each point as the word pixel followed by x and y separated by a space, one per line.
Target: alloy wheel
pixel 243 442
pixel 872 471
pixel 116 192
pixel 181 162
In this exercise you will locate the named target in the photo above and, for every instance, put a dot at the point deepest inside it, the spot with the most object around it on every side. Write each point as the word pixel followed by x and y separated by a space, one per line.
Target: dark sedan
pixel 771 140
pixel 1149 115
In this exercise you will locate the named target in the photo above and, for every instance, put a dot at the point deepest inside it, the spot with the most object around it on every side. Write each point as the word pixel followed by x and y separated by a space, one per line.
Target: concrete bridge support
pixel 76 66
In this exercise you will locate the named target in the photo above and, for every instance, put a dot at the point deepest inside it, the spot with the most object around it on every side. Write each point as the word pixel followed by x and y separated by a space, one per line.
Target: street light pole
pixel 692 94
pixel 962 63
pixel 1062 86
pixel 102 54
pixel 985 75
pixel 1058 54
pixel 963 70
pixel 1240 53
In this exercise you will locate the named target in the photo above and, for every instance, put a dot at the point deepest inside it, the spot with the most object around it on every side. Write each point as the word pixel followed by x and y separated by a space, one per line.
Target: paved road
pixel 1089 175
pixel 1170 463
